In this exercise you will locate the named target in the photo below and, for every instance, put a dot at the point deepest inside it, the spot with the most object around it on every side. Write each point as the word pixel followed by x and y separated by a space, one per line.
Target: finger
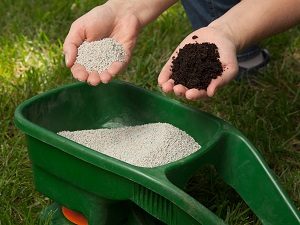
pixel 165 73
pixel 228 74
pixel 214 86
pixel 179 90
pixel 168 86
pixel 105 77
pixel 79 72
pixel 94 78
pixel 73 40
pixel 194 94
pixel 115 68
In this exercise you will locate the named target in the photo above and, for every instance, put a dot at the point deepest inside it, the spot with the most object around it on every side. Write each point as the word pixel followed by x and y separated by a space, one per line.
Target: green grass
pixel 266 110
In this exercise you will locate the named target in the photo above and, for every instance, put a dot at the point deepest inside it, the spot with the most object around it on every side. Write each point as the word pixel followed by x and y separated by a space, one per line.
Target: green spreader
pixel 106 191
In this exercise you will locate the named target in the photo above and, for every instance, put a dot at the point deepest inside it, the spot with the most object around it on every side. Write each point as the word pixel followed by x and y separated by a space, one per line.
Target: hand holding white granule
pixel 99 55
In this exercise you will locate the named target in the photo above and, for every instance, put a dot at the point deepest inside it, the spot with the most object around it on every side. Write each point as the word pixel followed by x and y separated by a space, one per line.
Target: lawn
pixel 266 110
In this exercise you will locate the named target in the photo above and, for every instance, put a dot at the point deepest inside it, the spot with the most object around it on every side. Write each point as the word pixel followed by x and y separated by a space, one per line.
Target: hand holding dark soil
pixel 196 65
pixel 227 58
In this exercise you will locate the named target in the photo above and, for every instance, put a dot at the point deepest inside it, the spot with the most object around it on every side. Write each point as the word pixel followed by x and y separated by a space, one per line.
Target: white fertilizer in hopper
pixel 99 55
pixel 147 145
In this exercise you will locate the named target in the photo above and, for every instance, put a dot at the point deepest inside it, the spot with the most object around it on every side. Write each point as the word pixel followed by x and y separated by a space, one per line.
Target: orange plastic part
pixel 74 217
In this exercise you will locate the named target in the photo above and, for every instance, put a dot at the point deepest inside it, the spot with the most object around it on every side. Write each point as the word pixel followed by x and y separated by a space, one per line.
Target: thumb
pixel 228 74
pixel 73 40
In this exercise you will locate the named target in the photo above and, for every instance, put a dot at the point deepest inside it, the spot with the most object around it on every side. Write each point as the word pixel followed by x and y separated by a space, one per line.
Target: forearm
pixel 146 11
pixel 253 20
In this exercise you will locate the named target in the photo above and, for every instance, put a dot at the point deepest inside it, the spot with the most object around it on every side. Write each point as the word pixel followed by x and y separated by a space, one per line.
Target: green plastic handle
pixel 243 168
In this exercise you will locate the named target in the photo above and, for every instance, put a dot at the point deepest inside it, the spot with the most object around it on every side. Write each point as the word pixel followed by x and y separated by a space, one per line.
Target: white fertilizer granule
pixel 147 145
pixel 99 55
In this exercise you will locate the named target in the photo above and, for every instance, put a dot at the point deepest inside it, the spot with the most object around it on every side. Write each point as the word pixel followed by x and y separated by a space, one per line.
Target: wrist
pixel 228 32
pixel 144 11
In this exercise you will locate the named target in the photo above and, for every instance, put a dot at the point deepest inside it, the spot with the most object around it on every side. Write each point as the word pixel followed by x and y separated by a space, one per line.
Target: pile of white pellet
pixel 147 145
pixel 99 55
